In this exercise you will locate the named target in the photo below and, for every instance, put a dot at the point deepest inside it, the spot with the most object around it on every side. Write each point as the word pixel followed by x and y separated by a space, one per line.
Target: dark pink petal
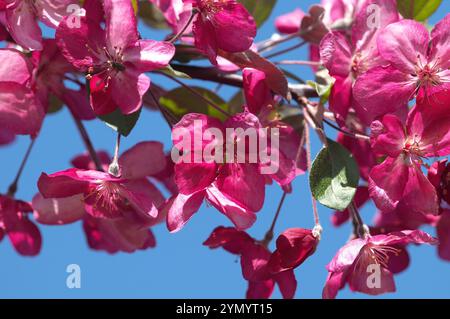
pixel 75 42
pixel 254 261
pixel 335 282
pixel 58 211
pixel 392 85
pixel 142 160
pixel 205 39
pixel 260 290
pixel 361 151
pixel 387 182
pixel 443 233
pixel 149 55
pixel 23 26
pixel 419 194
pixel 20 110
pixel 101 99
pixel 234 27
pixel 51 12
pixel 78 104
pixel 287 283
pixel 127 90
pixel 346 256
pixel 68 183
pixel 191 177
pixel 6 136
pixel 293 246
pixel 84 161
pixel 290 22
pixel 182 208
pixel 388 136
pixel 257 92
pixel 121 25
pixel 243 184
pixel 341 98
pixel 336 54
pixel 241 217
pixel 230 239
pixel 404 44
pixel 18 69
pixel 144 197
pixel 431 125
pixel 398 261
pixel 440 43
pixel 404 237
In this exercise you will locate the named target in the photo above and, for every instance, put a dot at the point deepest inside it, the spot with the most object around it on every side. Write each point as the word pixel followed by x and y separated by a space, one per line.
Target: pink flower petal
pixel 142 160
pixel 58 211
pixel 182 208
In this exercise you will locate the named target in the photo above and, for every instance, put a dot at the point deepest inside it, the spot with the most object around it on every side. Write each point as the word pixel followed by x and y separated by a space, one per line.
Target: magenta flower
pixel 176 12
pixel 399 180
pixel 14 222
pixel 222 25
pixel 418 64
pixel 21 111
pixel 235 189
pixel 254 263
pixel 22 17
pixel 439 176
pixel 256 90
pixel 347 59
pixel 114 58
pixel 290 22
pixel 127 233
pixel 353 263
pixel 106 196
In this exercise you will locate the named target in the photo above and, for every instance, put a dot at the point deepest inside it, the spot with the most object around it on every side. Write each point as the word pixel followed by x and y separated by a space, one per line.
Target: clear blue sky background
pixel 179 267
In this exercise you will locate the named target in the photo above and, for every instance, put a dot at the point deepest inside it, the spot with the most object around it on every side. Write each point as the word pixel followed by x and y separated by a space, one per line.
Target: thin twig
pixel 289 49
pixel 348 133
pixel 188 23
pixel 12 189
pixel 269 234
pixel 194 92
pixel 88 143
pixel 309 165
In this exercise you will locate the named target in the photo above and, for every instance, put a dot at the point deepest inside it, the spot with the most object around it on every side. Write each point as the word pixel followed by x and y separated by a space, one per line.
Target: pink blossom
pixel 176 12
pixel 235 189
pixel 418 64
pixel 347 59
pixel 222 25
pixel 290 22
pixel 6 136
pixel 398 180
pixel 261 268
pixel 22 17
pixel 439 176
pixel 352 261
pixel 114 58
pixel 14 222
pixel 106 196
pixel 21 111
pixel 256 90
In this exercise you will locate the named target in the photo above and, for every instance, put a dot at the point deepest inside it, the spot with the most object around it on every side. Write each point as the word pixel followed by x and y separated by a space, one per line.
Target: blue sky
pixel 179 267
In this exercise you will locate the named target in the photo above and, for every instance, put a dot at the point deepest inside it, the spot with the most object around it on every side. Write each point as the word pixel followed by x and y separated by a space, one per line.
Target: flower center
pixel 380 254
pixel 109 196
pixel 112 64
pixel 428 74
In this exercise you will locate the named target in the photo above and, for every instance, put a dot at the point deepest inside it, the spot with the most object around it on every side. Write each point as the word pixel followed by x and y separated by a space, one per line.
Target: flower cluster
pixel 382 82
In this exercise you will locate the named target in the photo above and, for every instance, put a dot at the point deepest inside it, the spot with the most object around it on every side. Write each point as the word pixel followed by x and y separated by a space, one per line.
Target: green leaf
pixel 334 176
pixel 323 91
pixel 419 10
pixel 121 123
pixel 259 9
pixel 181 101
pixel 172 72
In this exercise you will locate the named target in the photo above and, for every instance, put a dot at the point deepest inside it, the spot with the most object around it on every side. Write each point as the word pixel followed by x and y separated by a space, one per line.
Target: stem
pixel 291 48
pixel 271 43
pixel 359 228
pixel 188 23
pixel 269 234
pixel 88 143
pixel 309 165
pixel 294 62
pixel 12 189
pixel 348 133
pixel 194 92
pixel 114 168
